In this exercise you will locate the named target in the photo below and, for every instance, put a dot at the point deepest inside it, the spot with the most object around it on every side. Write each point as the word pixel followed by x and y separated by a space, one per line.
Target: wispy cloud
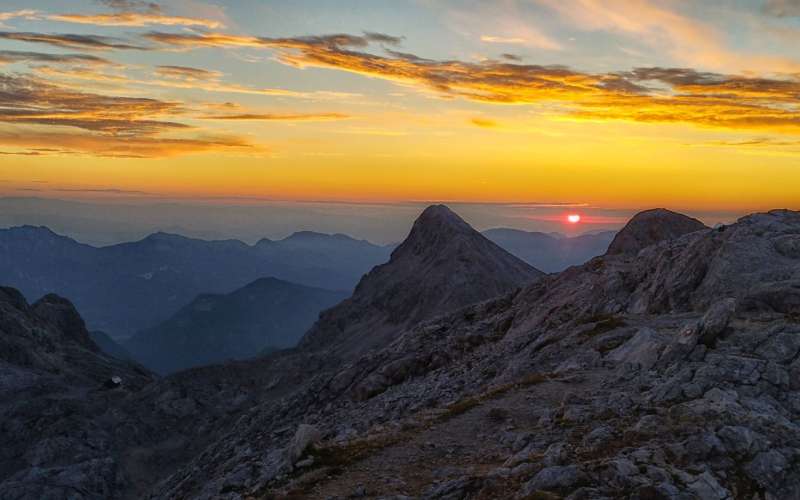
pixel 23 13
pixel 135 19
pixel 686 39
pixel 12 56
pixel 111 146
pixel 101 125
pixel 782 8
pixel 681 95
pixel 187 73
pixel 483 122
pixel 71 41
pixel 534 40
pixel 31 100
pixel 291 117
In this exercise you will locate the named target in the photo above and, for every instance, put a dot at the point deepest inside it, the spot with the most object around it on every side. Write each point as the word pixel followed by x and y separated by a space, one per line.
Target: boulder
pixel 305 436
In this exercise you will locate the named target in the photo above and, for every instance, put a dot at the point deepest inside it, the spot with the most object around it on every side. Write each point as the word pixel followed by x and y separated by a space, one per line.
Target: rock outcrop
pixel 54 391
pixel 651 226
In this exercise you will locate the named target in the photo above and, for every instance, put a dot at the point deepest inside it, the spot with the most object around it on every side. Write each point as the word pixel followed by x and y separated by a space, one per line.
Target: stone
pixel 305 436
pixel 715 320
pixel 557 477
pixel 643 349
pixel 768 468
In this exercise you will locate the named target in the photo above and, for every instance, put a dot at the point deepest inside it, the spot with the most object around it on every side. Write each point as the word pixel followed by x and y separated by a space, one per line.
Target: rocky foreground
pixel 668 368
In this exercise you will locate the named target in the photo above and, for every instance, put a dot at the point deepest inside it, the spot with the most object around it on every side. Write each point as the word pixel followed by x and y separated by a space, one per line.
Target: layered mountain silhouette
pixel 442 265
pixel 666 370
pixel 122 289
pixel 548 252
pixel 267 314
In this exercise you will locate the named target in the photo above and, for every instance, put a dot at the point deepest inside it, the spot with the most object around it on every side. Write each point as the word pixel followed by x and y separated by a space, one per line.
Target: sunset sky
pixel 600 103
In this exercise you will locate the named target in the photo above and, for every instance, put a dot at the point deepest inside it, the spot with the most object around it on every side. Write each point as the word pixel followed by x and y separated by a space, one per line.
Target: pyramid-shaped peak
pixel 440 216
pixel 650 227
pixel 443 265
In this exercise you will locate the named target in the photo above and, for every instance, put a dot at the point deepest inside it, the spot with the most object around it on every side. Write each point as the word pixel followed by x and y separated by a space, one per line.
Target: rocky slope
pixel 268 313
pixel 54 384
pixel 442 265
pixel 668 374
pixel 671 372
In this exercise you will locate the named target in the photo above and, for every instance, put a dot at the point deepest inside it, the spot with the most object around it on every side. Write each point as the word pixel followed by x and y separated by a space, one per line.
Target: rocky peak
pixel 650 227
pixel 435 228
pixel 443 264
pixel 62 315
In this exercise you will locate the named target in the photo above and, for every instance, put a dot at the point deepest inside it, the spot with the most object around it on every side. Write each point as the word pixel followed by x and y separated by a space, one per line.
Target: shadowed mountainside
pixel 125 288
pixel 266 314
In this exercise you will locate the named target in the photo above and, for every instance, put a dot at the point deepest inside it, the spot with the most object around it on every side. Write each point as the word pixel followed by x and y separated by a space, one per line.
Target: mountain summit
pixel 650 227
pixel 442 265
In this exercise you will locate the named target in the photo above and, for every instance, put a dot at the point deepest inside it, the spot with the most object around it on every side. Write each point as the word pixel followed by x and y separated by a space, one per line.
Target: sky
pixel 598 106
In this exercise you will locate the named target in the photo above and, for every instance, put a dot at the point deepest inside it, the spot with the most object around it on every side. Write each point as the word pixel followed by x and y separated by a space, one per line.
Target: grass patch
pixel 602 323
pixel 542 495
pixel 468 403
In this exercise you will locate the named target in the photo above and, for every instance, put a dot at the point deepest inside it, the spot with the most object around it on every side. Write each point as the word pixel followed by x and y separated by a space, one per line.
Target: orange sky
pixel 635 104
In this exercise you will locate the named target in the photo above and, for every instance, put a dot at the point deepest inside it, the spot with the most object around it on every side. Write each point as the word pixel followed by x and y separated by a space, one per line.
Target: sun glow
pixel 573 218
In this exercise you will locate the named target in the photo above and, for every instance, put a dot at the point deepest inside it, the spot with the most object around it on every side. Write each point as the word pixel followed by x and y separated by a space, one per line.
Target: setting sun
pixel 573 218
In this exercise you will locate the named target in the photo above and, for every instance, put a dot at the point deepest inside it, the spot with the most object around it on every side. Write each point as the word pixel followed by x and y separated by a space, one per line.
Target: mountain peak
pixel 444 264
pixel 650 227
pixel 440 217
pixel 436 228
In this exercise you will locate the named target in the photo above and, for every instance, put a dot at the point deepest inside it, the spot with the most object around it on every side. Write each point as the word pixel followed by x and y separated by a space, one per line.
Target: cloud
pixel 187 73
pixel 32 100
pixel 483 122
pixel 685 39
pixel 511 57
pixel 223 40
pixel 128 147
pixel 202 40
pixel 12 56
pixel 131 5
pixel 757 142
pixel 504 40
pixel 680 96
pixel 71 41
pixel 134 19
pixel 292 117
pixel 24 13
pixel 383 38
pixel 782 8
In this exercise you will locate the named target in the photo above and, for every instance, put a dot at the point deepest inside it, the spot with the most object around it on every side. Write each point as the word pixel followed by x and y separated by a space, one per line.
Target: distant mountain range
pixel 125 288
pixel 122 289
pixel 267 314
pixel 551 252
